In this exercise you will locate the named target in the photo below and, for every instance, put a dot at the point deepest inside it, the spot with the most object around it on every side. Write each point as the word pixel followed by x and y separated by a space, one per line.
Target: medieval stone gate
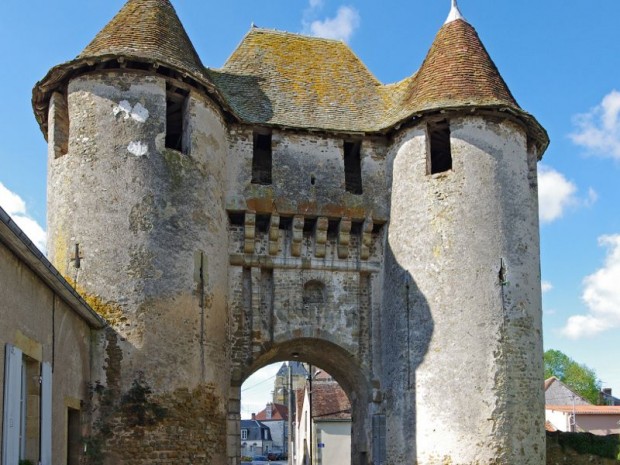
pixel 307 292
pixel 221 220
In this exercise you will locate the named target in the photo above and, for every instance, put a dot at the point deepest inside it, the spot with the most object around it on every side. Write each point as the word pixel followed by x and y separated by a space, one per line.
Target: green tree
pixel 576 376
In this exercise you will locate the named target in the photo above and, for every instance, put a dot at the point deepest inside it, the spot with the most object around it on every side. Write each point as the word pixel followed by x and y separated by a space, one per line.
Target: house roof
pixel 255 430
pixel 549 382
pixel 559 395
pixel 549 427
pixel 329 402
pixel 16 241
pixel 586 409
pixel 290 80
pixel 278 412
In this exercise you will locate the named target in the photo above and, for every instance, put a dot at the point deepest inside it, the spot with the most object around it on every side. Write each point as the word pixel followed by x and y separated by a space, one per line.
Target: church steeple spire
pixel 455 13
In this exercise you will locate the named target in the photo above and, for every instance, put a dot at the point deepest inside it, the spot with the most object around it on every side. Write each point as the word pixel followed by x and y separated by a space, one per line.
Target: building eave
pixel 18 243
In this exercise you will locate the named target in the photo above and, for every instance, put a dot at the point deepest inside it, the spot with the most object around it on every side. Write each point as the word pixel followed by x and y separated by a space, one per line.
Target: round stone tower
pixel 137 153
pixel 463 366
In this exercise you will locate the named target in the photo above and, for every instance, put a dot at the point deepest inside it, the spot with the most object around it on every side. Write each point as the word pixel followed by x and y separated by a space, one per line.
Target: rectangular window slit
pixel 59 124
pixel 262 223
pixel 176 106
pixel 440 154
pixel 353 167
pixel 261 159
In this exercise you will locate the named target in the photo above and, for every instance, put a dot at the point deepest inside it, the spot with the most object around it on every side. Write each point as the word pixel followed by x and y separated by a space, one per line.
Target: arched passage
pixel 352 377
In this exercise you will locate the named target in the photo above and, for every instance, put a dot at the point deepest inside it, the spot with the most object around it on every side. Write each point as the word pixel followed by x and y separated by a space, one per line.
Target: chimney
pixel 607 391
pixel 253 416
pixel 269 411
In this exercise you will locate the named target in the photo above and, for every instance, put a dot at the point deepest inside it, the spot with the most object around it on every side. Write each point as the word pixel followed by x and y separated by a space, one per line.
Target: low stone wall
pixel 582 449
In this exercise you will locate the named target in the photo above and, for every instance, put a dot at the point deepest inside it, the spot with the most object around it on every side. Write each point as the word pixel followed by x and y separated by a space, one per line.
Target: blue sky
pixel 560 59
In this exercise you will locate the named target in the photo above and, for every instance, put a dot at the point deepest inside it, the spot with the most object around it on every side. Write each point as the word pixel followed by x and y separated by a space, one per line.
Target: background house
pixel 596 419
pixel 275 417
pixel 255 438
pixel 324 421
pixel 565 410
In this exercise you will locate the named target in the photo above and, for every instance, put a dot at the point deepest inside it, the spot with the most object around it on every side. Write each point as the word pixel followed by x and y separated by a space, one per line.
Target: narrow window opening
pixel 176 104
pixel 332 229
pixel 356 228
pixel 309 226
pixel 236 218
pixel 377 227
pixel 261 159
pixel 262 223
pixel 353 167
pixel 286 223
pixel 74 437
pixel 440 159
pixel 59 125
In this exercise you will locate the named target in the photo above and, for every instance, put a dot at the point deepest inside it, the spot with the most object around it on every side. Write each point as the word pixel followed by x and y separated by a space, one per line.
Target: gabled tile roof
pixel 278 412
pixel 329 402
pixel 549 427
pixel 287 79
pixel 255 430
pixel 549 382
pixel 146 29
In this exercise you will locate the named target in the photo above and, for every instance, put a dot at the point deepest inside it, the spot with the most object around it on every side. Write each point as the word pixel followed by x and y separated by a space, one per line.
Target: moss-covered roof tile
pixel 290 80
pixel 147 29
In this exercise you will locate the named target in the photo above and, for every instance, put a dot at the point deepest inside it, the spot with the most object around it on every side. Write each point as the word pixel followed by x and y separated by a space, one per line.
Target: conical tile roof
pixel 147 29
pixel 288 80
pixel 458 72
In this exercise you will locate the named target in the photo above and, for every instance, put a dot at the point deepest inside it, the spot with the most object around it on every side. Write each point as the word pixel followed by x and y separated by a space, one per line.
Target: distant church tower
pixel 290 206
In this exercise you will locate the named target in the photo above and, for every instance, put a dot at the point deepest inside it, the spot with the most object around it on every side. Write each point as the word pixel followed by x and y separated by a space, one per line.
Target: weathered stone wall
pixel 305 254
pixel 462 365
pixel 308 176
pixel 150 224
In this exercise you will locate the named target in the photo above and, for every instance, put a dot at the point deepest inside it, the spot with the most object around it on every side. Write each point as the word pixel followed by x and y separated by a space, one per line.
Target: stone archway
pixel 353 377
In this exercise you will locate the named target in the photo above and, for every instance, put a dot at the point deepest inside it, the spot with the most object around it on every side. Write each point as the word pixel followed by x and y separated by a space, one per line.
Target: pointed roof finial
pixel 455 13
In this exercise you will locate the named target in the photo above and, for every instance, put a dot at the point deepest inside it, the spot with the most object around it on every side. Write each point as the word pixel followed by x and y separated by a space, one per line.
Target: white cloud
pixel 315 3
pixel 555 194
pixel 601 295
pixel 340 27
pixel 256 390
pixel 599 129
pixel 546 286
pixel 15 206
